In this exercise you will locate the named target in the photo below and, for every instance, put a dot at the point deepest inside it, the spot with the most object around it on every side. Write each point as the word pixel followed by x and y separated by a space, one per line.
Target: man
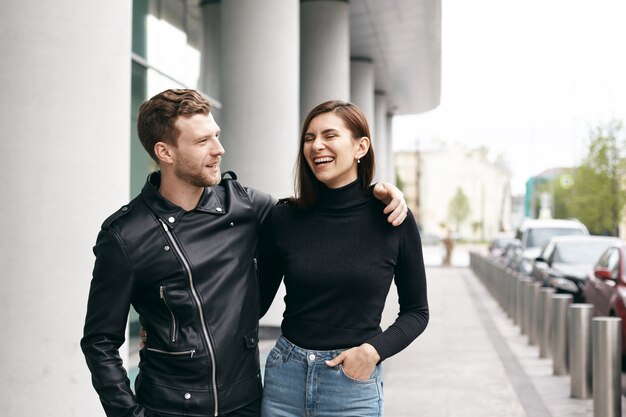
pixel 183 254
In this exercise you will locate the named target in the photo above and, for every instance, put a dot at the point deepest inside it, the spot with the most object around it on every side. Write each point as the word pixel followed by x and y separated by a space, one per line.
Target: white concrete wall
pixel 324 53
pixel 64 112
pixel 379 138
pixel 260 92
pixel 362 87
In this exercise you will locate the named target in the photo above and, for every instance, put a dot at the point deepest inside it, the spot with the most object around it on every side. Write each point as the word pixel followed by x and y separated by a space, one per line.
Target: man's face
pixel 198 151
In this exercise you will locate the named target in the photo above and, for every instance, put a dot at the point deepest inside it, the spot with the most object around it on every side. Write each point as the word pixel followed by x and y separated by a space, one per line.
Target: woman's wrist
pixel 371 352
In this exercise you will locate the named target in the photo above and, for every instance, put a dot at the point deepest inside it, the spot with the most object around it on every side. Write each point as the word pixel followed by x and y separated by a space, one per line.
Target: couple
pixel 184 254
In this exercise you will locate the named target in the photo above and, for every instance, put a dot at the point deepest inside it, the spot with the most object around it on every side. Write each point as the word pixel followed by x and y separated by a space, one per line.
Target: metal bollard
pixel 579 330
pixel 533 328
pixel 503 290
pixel 517 318
pixel 498 286
pixel 606 339
pixel 525 302
pixel 511 283
pixel 560 306
pixel 545 320
pixel 530 289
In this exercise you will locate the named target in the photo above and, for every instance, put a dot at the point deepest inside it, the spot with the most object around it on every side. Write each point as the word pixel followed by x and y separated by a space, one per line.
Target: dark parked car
pixel 565 262
pixel 606 288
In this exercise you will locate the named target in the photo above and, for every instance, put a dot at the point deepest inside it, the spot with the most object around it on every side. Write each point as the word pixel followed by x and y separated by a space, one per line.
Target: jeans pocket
pixel 274 358
pixel 371 380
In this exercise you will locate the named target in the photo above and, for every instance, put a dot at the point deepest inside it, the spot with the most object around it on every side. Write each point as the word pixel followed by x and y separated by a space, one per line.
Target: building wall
pixel 64 112
pixel 440 173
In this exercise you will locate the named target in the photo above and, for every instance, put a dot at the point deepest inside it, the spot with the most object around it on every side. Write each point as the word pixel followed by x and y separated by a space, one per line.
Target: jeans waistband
pixel 293 352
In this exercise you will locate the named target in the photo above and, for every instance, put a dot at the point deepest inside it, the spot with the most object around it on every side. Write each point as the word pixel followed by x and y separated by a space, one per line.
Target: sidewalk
pixel 472 361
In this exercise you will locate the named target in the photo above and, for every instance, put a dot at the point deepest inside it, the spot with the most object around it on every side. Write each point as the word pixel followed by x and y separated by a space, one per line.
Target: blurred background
pixel 484 113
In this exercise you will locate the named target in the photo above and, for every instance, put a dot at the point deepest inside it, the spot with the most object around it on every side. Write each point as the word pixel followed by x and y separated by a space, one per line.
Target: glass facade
pixel 167 36
pixel 166 50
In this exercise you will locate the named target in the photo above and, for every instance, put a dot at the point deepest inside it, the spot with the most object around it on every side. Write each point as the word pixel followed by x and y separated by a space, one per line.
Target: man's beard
pixel 186 172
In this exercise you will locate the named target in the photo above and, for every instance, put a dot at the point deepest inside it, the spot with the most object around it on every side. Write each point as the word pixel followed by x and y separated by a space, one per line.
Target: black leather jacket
pixel 191 276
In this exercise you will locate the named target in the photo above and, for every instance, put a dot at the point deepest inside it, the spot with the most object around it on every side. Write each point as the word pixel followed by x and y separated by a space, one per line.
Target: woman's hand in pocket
pixel 358 362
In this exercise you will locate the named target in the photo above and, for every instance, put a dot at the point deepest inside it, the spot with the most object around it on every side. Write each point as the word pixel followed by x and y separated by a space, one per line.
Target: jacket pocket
pixel 188 352
pixel 251 338
pixel 173 400
pixel 173 324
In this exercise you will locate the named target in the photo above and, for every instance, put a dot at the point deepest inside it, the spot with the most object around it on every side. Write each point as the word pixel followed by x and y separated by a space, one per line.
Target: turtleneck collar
pixel 343 197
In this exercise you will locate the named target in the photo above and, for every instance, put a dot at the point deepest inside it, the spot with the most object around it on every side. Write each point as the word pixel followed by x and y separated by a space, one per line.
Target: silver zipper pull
pixel 161 292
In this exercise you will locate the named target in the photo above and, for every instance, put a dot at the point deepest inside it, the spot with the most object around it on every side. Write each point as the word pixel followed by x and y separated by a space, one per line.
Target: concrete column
pixel 362 86
pixel 260 84
pixel 391 161
pixel 65 117
pixel 324 53
pixel 211 51
pixel 379 139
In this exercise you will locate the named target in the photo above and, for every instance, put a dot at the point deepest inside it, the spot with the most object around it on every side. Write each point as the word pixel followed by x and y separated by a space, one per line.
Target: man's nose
pixel 219 149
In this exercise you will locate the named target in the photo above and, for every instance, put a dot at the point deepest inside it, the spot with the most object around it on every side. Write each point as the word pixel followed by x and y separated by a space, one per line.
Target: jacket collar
pixel 169 212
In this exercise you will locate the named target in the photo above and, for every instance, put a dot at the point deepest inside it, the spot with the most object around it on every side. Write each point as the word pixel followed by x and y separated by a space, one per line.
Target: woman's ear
pixel 163 152
pixel 363 147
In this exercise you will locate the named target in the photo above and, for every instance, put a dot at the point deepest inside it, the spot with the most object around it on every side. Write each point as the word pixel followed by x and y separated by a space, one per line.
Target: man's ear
pixel 163 152
pixel 363 147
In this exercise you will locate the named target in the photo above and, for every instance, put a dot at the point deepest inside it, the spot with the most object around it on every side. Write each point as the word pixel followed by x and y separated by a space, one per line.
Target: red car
pixel 606 287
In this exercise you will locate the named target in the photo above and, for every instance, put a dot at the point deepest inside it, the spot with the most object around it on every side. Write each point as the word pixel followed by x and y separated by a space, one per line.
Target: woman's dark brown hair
pixel 307 186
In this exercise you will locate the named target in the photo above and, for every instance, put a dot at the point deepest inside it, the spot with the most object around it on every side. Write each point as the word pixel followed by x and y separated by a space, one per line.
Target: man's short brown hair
pixel 157 116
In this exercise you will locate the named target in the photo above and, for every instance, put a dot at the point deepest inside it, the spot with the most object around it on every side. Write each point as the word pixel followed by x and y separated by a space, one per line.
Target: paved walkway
pixel 472 361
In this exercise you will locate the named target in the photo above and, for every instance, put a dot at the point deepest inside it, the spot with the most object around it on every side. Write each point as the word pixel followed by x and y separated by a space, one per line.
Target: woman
pixel 338 256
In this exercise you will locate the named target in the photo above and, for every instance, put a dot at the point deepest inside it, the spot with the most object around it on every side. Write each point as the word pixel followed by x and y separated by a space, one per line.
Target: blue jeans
pixel 298 383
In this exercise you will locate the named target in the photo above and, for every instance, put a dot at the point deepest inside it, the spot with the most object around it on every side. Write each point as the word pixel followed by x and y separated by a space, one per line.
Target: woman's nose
pixel 318 144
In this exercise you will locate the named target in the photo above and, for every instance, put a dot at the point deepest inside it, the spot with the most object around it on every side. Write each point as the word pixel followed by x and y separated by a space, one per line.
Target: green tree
pixel 458 208
pixel 399 183
pixel 598 196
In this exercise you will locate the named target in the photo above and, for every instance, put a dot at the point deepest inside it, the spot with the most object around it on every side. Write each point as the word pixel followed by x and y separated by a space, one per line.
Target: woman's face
pixel 331 152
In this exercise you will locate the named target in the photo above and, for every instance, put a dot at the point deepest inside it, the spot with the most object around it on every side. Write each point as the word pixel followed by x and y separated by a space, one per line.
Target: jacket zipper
pixel 205 331
pixel 190 352
pixel 167 304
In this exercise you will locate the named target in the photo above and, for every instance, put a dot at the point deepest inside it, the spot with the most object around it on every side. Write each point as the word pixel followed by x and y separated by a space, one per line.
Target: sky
pixel 527 79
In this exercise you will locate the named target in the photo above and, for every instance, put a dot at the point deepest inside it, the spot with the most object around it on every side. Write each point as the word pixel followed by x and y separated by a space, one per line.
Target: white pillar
pixel 65 117
pixel 211 51
pixel 362 86
pixel 381 144
pixel 324 53
pixel 260 84
pixel 391 160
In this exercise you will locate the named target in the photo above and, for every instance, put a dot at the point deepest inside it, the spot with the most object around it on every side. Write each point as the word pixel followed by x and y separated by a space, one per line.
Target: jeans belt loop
pixel 287 353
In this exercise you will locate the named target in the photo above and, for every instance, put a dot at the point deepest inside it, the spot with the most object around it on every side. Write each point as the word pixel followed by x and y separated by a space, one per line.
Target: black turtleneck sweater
pixel 338 260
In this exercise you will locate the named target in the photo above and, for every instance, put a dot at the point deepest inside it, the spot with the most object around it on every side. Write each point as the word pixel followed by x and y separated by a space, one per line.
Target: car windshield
pixel 502 242
pixel 579 252
pixel 540 236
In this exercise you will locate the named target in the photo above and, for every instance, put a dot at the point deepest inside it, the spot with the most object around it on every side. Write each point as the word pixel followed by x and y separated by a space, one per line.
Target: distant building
pixel 431 179
pixel 539 201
